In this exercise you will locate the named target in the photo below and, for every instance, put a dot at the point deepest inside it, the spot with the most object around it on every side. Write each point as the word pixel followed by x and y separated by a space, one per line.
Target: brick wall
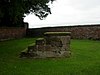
pixel 12 32
pixel 77 32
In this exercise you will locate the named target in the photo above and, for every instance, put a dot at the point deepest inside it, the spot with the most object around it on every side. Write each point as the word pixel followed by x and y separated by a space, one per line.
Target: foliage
pixel 12 11
pixel 85 59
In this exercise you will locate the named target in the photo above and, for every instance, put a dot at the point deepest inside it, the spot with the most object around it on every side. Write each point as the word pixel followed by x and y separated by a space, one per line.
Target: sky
pixel 68 12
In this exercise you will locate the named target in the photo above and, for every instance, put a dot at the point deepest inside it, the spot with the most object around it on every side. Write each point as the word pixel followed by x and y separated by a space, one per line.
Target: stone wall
pixel 77 32
pixel 12 33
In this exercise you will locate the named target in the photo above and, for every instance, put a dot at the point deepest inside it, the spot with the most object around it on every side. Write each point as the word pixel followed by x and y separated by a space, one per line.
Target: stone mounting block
pixel 54 44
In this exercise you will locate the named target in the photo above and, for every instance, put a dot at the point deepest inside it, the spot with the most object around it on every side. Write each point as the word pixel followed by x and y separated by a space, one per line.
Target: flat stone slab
pixel 57 33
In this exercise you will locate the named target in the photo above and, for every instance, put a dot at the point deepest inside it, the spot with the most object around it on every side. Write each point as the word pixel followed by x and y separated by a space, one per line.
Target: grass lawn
pixel 85 59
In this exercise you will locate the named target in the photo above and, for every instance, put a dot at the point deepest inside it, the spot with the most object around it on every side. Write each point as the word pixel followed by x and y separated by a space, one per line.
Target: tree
pixel 12 11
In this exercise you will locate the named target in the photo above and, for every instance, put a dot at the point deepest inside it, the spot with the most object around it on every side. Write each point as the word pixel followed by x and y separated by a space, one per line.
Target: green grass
pixel 85 59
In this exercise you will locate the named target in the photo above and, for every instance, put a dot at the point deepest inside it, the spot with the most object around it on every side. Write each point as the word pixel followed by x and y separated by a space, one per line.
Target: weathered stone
pixel 54 44
pixel 40 41
pixel 48 48
pixel 40 47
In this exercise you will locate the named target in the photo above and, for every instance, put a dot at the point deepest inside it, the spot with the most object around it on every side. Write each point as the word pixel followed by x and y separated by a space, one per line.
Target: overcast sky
pixel 68 12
